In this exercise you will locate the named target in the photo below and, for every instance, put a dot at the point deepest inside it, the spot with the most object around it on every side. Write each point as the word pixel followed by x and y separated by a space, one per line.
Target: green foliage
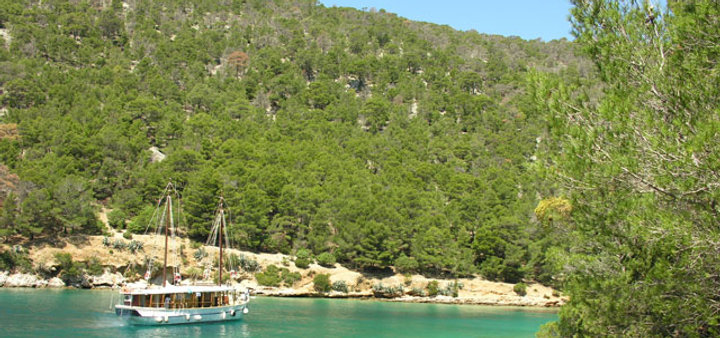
pixel 69 270
pixel 119 244
pixel 321 282
pixel 433 288
pixel 340 286
pixel 274 276
pixel 11 261
pixel 326 259
pixel 269 277
pixel 200 253
pixel 303 258
pixel 385 291
pixel 248 264
pixel 417 292
pixel 225 277
pixel 637 164
pixel 520 289
pixel 289 278
pixel 451 289
pixel 406 264
pixel 194 273
pixel 302 263
pixel 127 235
pixel 135 246
pixel 94 266
pixel 116 219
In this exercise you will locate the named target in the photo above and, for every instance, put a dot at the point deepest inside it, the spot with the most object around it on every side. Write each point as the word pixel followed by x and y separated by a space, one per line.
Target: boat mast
pixel 167 225
pixel 222 223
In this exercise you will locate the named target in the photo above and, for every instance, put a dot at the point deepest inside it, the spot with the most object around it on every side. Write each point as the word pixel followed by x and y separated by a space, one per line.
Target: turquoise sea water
pixel 86 313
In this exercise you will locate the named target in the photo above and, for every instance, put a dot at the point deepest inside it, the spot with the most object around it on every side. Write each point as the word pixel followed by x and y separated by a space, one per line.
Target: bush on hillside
pixel 321 282
pixel 116 219
pixel 326 259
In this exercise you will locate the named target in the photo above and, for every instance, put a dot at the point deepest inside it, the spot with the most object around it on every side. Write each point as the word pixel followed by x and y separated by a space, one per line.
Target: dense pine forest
pixel 359 133
pixel 381 142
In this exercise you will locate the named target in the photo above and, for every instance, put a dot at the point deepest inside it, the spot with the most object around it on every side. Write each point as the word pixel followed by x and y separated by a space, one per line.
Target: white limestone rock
pixel 55 283
pixel 3 277
pixel 107 279
pixel 22 280
pixel 156 155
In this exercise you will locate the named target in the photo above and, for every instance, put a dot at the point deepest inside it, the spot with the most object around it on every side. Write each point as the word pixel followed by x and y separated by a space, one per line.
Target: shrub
pixel 406 264
pixel 119 244
pixel 340 286
pixel 302 263
pixel 135 246
pixel 106 241
pixel 69 268
pixel 326 259
pixel 194 273
pixel 418 292
pixel 270 277
pixel 127 235
pixel 289 278
pixel 303 258
pixel 139 223
pixel 451 289
pixel 303 253
pixel 322 282
pixel 248 264
pixel 94 267
pixel 433 288
pixel 195 245
pixel 379 290
pixel 231 261
pixel 200 253
pixel 116 219
pixel 407 279
pixel 11 260
pixel 225 277
pixel 520 289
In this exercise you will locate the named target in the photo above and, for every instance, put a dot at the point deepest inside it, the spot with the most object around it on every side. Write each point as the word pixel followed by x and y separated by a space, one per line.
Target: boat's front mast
pixel 167 225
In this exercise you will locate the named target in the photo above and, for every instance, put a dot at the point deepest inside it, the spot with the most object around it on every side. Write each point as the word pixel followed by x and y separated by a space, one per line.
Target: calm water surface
pixel 73 313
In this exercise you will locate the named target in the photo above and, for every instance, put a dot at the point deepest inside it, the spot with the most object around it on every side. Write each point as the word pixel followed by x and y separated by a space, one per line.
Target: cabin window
pixel 135 300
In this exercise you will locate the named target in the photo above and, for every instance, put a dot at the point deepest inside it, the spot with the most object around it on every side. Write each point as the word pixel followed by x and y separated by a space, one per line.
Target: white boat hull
pixel 160 316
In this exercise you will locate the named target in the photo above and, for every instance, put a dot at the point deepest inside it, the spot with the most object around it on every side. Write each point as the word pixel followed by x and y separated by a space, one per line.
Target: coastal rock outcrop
pixel 3 277
pixel 21 280
pixel 107 279
pixel 55 283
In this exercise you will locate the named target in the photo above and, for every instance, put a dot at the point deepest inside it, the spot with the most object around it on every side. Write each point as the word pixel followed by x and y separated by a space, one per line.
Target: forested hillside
pixel 380 140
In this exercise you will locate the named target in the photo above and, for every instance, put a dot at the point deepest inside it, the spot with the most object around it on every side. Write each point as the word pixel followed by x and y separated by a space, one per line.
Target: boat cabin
pixel 180 300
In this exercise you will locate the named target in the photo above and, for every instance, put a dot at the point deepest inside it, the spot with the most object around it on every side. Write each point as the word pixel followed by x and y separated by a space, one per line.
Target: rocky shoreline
pixel 26 280
pixel 120 268
pixel 116 280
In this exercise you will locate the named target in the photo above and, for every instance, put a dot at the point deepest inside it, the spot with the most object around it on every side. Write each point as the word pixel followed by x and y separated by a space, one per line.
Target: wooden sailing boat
pixel 174 304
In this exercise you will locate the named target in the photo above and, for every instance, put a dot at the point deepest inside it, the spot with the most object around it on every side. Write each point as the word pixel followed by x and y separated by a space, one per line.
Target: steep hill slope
pixel 379 140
